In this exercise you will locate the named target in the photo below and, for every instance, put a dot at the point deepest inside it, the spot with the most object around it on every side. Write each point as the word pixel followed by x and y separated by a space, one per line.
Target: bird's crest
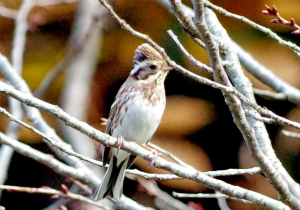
pixel 145 51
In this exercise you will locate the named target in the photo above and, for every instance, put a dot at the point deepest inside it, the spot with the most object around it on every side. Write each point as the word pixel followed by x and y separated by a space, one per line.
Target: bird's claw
pixel 104 121
pixel 120 142
pixel 155 155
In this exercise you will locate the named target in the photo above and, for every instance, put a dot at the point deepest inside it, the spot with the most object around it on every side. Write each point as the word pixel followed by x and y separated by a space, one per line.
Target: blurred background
pixel 197 126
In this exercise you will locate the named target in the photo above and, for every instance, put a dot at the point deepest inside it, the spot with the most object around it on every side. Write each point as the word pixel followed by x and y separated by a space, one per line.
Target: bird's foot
pixel 104 121
pixel 120 142
pixel 154 152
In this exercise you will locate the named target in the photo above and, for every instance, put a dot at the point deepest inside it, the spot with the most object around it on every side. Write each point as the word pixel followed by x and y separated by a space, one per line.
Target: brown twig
pixel 280 20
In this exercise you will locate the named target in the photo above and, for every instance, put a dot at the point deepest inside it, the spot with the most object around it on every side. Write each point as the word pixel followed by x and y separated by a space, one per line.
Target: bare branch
pixel 169 154
pixel 45 3
pixel 280 20
pixel 8 13
pixel 255 116
pixel 188 55
pixel 269 94
pixel 267 76
pixel 228 172
pixel 290 134
pixel 205 195
pixel 162 199
pixel 55 194
pixel 19 39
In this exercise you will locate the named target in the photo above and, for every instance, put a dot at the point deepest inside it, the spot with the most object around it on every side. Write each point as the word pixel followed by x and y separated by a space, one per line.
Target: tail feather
pixel 112 183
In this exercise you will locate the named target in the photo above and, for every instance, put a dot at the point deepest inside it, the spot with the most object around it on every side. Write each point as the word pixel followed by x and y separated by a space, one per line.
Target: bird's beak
pixel 167 68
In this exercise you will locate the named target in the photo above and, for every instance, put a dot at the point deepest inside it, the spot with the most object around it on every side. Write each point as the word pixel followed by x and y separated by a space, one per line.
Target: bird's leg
pixel 120 142
pixel 104 121
pixel 154 152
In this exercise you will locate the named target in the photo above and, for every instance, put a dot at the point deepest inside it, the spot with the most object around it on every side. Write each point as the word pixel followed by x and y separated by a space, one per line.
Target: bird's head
pixel 149 65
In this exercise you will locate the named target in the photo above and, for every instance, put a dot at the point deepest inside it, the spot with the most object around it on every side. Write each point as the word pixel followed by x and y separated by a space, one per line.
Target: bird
pixel 134 116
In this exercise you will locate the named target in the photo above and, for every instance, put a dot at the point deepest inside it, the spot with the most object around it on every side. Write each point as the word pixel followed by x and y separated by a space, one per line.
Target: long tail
pixel 112 183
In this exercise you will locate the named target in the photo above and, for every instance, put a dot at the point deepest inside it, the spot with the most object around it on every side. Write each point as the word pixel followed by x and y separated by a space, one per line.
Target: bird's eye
pixel 152 66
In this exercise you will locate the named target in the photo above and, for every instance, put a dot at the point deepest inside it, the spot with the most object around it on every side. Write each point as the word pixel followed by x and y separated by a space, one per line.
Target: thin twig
pixel 55 194
pixel 188 55
pixel 227 172
pixel 205 195
pixel 267 76
pixel 46 3
pixel 222 203
pixel 20 31
pixel 8 13
pixel 290 134
pixel 162 199
pixel 169 154
pixel 256 116
pixel 280 20
pixel 269 94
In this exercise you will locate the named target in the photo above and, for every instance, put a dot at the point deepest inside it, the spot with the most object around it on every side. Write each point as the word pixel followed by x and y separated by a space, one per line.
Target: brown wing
pixel 106 150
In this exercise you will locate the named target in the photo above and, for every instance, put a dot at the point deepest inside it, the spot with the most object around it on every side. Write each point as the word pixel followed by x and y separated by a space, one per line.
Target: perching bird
pixel 134 115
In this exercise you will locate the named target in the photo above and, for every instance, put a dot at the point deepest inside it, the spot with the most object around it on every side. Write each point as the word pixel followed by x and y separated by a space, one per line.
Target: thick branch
pixel 237 111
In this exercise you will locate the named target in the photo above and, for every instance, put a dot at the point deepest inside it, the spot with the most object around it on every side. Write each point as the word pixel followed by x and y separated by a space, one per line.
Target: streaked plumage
pixel 134 115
